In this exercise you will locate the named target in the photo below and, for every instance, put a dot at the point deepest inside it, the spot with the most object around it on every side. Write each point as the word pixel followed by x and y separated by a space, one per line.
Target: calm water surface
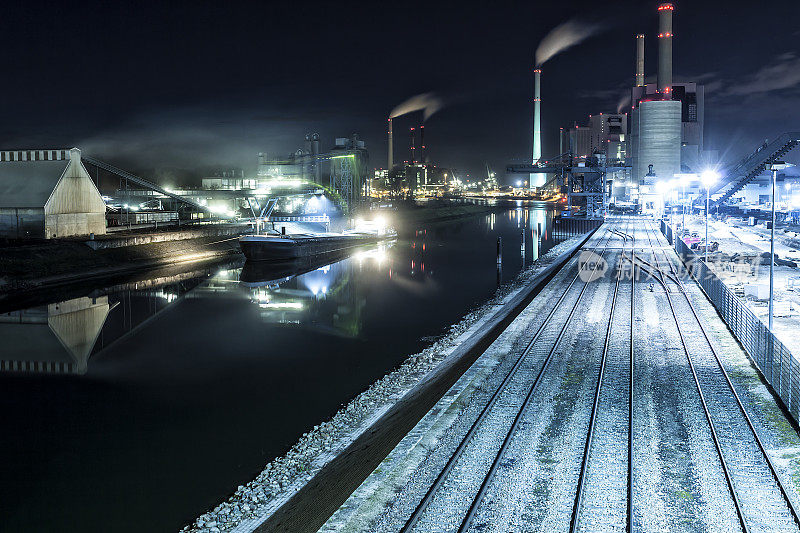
pixel 139 406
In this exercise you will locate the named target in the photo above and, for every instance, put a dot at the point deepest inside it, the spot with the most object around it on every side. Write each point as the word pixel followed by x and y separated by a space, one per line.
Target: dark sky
pixel 191 87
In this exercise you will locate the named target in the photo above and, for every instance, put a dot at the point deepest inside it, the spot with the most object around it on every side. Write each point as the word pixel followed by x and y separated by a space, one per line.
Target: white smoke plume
pixel 428 103
pixel 564 36
pixel 782 73
pixel 624 103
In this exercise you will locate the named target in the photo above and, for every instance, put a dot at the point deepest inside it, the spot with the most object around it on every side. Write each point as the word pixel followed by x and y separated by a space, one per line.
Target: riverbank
pixel 60 262
pixel 426 214
pixel 45 264
pixel 333 453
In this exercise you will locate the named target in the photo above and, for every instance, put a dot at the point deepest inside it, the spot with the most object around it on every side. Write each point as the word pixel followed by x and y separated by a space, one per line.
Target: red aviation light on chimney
pixel 662 7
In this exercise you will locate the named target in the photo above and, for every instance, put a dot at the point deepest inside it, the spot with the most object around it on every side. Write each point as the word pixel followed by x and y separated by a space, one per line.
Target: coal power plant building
pixel 343 168
pixel 48 194
pixel 656 138
pixel 666 120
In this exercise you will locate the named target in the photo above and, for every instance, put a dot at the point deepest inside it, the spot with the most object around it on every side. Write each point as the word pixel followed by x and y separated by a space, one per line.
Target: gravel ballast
pixel 285 475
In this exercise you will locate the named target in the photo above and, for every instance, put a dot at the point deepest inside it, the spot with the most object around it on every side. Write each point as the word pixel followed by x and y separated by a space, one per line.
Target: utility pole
pixel 774 167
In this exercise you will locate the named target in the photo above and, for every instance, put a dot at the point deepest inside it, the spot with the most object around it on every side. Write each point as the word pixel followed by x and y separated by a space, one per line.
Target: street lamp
pixel 685 179
pixel 661 189
pixel 673 187
pixel 774 167
pixel 709 178
pixel 666 189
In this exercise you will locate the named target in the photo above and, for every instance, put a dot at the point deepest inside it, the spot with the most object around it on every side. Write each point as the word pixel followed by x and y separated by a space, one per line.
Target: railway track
pixel 641 397
pixel 557 311
pixel 752 515
pixel 579 493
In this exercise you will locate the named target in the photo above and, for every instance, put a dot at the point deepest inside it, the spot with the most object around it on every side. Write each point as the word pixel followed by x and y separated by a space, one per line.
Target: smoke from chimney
pixel 564 36
pixel 428 103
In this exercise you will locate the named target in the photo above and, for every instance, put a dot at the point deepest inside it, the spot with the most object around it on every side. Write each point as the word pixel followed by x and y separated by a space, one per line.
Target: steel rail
pixel 433 489
pixel 714 436
pixel 465 523
pixel 651 266
pixel 629 510
pixel 761 447
pixel 576 507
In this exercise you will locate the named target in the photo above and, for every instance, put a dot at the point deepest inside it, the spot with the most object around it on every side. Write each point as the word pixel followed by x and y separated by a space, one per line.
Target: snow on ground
pixel 754 240
pixel 284 475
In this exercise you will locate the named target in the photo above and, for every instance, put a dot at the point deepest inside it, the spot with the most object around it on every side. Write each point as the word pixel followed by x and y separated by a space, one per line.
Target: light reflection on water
pixel 197 378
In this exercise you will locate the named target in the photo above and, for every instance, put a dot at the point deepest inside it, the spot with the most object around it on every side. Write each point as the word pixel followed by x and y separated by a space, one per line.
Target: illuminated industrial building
pixel 48 194
pixel 667 121
pixel 342 169
pixel 605 134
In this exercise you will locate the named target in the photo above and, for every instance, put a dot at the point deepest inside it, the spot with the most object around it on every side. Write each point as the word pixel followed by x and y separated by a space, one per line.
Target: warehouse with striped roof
pixel 48 194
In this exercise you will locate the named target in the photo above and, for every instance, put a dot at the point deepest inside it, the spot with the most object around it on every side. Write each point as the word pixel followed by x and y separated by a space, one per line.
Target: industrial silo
pixel 656 139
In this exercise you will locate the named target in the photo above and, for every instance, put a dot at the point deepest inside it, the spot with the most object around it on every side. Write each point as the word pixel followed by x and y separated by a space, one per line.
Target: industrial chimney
pixel 640 60
pixel 413 147
pixel 537 124
pixel 537 119
pixel 391 147
pixel 665 49
pixel 422 144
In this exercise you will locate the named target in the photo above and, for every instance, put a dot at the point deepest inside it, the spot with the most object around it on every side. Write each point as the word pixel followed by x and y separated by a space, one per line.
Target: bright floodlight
pixel 661 187
pixel 709 177
pixel 685 179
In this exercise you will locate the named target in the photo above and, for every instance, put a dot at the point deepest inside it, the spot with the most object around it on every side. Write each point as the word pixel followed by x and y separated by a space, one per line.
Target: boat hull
pixel 269 248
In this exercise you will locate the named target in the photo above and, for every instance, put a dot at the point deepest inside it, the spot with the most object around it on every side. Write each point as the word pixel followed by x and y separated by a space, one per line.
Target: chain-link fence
pixel 773 359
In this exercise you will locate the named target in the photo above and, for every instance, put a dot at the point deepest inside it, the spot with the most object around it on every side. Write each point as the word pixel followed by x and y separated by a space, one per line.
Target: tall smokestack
pixel 665 49
pixel 391 146
pixel 422 144
pixel 640 60
pixel 413 147
pixel 537 120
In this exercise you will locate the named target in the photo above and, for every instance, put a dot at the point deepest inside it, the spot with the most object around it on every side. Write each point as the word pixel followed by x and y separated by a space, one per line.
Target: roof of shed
pixel 29 183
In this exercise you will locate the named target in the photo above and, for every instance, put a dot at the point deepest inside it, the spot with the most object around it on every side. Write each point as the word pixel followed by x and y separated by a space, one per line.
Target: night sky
pixel 185 89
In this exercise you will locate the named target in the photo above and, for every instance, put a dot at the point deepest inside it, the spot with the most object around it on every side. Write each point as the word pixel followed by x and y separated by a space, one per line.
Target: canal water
pixel 138 406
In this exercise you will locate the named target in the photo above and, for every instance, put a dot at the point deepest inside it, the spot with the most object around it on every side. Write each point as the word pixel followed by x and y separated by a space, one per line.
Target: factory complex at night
pixel 652 157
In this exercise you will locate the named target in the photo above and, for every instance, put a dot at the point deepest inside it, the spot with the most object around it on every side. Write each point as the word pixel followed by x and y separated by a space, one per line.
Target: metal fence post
pixel 758 341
